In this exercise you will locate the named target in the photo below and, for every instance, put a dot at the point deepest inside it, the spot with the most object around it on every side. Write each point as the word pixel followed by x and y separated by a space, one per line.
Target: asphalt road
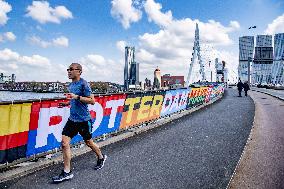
pixel 200 150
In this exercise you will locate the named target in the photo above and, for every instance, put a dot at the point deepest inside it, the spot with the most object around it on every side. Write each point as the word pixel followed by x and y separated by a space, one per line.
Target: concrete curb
pixel 29 167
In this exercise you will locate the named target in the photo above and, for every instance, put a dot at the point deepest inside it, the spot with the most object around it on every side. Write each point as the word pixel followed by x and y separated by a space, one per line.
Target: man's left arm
pixel 88 99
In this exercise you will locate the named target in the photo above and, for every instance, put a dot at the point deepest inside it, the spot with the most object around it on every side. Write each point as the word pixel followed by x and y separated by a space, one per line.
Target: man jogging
pixel 79 121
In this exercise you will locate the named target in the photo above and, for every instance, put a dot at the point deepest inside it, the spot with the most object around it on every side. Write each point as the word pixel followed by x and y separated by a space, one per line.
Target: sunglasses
pixel 71 69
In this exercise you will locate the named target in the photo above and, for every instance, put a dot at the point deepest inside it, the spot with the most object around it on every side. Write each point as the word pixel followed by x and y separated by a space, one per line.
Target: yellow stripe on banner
pixel 14 118
pixel 25 117
pixel 4 119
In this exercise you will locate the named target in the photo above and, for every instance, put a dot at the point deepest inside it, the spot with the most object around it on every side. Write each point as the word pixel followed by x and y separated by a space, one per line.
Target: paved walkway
pixel 276 93
pixel 262 164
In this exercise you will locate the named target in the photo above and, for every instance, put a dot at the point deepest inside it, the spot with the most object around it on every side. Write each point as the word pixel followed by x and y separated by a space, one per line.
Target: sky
pixel 40 39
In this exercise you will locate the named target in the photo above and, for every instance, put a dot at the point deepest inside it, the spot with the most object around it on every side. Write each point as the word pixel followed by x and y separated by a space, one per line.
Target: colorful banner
pixel 141 107
pixel 174 101
pixel 14 124
pixel 33 128
pixel 197 96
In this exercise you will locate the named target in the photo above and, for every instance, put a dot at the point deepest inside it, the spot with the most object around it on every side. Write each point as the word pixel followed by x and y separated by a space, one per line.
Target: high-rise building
pixel 264 40
pixel 131 69
pixel 147 83
pixel 157 79
pixel 263 60
pixel 221 72
pixel 278 61
pixel 246 46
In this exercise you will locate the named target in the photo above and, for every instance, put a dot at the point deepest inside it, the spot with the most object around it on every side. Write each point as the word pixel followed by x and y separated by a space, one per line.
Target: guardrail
pixel 30 128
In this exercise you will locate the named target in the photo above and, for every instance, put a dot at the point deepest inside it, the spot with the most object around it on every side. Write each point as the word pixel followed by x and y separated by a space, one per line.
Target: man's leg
pixel 66 153
pixel 101 157
pixel 95 148
pixel 66 174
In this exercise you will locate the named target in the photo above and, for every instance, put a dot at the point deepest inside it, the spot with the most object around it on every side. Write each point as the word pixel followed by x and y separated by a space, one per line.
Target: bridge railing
pixel 29 128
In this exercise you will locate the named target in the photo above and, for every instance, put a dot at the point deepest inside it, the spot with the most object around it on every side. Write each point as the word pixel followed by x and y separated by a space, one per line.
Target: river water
pixel 12 96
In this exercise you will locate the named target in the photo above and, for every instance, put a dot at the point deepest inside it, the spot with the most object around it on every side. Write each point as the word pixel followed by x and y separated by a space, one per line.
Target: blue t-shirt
pixel 79 110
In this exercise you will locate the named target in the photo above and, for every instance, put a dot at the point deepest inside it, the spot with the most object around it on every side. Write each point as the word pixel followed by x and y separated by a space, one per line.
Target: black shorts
pixel 72 128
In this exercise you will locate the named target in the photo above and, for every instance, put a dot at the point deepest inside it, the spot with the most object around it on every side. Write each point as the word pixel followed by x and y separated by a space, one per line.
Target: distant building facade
pixel 246 47
pixel 167 80
pixel 131 68
pixel 278 61
pixel 264 40
pixel 263 60
pixel 157 79
pixel 10 78
pixel 147 84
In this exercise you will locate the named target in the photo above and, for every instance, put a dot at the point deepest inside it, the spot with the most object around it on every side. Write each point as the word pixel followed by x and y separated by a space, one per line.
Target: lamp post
pixel 249 60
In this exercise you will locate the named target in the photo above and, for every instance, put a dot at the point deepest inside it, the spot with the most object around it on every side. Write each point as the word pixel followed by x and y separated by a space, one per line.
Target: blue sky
pixel 39 39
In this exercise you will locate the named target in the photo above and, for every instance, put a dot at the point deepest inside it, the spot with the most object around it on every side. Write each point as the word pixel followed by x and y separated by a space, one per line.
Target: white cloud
pixel 57 42
pixel 13 66
pixel 125 12
pixel 8 36
pixel 28 68
pixel 144 56
pixel 61 41
pixel 277 26
pixel 97 68
pixel 234 25
pixel 121 45
pixel 8 55
pixel 4 9
pixel 35 60
pixel 43 13
pixel 38 41
pixel 154 13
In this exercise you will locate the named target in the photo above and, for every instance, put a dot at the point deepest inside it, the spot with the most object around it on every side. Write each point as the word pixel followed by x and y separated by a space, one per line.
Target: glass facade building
pixel 278 61
pixel 246 47
pixel 131 68
pixel 263 60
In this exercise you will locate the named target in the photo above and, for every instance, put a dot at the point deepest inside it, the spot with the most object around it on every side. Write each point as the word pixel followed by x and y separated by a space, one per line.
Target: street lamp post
pixel 249 60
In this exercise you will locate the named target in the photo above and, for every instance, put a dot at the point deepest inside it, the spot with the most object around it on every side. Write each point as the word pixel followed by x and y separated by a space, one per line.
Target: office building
pixel 263 60
pixel 131 69
pixel 246 46
pixel 278 61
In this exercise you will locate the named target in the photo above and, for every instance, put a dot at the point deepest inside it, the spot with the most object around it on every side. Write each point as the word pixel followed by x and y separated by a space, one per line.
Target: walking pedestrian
pixel 246 88
pixel 79 121
pixel 240 87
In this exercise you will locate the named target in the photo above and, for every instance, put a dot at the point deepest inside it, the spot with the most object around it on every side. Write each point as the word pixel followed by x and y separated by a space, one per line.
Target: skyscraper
pixel 264 40
pixel 278 61
pixel 157 78
pixel 131 69
pixel 263 60
pixel 246 45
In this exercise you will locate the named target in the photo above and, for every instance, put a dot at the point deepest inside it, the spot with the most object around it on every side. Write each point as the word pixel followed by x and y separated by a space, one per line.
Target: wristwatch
pixel 78 98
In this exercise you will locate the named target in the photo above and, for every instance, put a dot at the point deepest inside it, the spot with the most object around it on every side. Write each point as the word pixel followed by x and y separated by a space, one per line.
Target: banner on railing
pixel 33 128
